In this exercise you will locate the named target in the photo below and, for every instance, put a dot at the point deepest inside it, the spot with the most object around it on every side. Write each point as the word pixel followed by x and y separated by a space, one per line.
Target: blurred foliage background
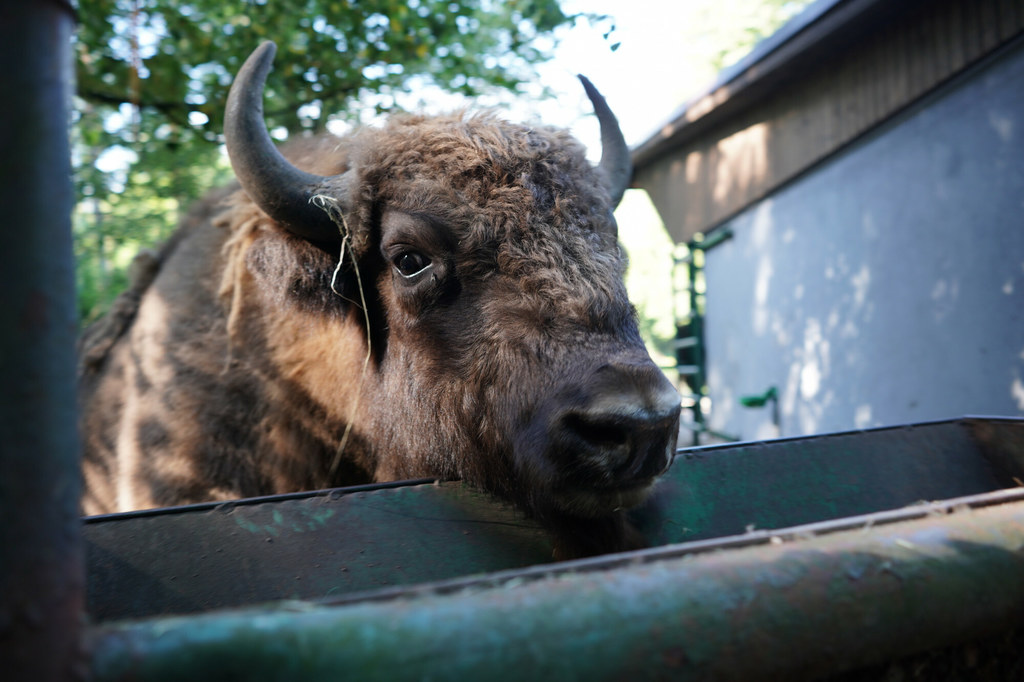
pixel 152 78
pixel 153 75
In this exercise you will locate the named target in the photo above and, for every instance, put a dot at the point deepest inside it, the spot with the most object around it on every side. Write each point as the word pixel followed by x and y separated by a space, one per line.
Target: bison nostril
pixel 618 446
pixel 600 433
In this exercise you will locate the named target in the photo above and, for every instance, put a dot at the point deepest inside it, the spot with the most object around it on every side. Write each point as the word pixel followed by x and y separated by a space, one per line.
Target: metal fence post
pixel 41 568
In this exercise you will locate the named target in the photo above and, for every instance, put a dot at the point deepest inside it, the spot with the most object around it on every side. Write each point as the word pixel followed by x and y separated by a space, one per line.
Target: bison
pixel 435 297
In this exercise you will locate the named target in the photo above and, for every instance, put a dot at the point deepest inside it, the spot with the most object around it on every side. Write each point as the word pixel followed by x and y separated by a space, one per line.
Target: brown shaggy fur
pixel 240 369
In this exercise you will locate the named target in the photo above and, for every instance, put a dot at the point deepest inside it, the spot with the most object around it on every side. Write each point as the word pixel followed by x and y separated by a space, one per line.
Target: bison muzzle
pixel 435 297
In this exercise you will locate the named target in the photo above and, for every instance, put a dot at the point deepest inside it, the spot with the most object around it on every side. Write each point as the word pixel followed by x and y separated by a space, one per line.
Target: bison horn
pixel 283 191
pixel 615 159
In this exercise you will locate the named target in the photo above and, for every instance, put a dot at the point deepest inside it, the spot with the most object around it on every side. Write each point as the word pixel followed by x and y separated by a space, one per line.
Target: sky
pixel 640 79
pixel 665 58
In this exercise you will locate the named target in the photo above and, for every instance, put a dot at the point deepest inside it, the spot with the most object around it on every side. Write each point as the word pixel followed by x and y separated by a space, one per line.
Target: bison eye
pixel 411 263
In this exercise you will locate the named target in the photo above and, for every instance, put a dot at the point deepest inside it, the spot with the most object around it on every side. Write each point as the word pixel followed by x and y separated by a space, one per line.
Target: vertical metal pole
pixel 41 569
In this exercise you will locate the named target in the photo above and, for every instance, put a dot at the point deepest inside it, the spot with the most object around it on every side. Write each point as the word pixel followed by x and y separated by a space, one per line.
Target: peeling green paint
pixel 258 529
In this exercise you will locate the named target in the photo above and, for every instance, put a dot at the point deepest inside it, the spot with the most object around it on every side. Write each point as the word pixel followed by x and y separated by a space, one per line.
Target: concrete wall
pixel 887 284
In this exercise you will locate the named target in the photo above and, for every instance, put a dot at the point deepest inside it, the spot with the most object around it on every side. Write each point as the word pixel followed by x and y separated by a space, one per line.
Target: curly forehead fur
pixel 482 161
pixel 454 165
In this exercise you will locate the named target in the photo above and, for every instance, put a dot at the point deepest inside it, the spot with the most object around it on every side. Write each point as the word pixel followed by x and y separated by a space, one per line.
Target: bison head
pixel 478 326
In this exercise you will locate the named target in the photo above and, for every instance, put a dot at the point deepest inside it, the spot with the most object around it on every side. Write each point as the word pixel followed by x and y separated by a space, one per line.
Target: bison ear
pixel 616 164
pixel 284 192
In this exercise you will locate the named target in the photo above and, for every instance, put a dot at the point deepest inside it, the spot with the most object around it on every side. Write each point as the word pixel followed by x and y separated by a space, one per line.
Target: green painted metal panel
pixel 724 490
pixel 300 547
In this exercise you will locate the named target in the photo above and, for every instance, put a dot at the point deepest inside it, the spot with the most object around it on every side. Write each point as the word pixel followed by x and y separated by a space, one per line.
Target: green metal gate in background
pixel 689 298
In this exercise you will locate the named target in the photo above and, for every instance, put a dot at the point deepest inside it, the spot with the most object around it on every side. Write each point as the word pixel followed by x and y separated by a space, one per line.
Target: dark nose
pixel 623 424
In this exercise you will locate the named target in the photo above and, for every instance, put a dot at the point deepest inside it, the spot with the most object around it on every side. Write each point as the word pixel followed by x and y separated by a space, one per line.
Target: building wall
pixel 783 115
pixel 887 285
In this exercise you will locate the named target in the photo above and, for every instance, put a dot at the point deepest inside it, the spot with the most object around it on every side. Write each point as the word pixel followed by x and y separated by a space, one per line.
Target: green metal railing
pixel 689 300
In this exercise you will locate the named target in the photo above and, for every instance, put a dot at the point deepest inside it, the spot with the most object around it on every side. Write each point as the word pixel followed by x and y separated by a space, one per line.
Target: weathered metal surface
pixel 723 490
pixel 787 608
pixel 345 542
pixel 1001 441
pixel 300 547
pixel 41 569
pixel 991 659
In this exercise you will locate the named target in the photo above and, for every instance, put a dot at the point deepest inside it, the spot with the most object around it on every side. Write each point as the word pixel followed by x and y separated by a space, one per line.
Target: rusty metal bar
pixel 792 609
pixel 41 570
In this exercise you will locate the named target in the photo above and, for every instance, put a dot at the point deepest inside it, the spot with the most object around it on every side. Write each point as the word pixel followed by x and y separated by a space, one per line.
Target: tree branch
pixel 177 112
